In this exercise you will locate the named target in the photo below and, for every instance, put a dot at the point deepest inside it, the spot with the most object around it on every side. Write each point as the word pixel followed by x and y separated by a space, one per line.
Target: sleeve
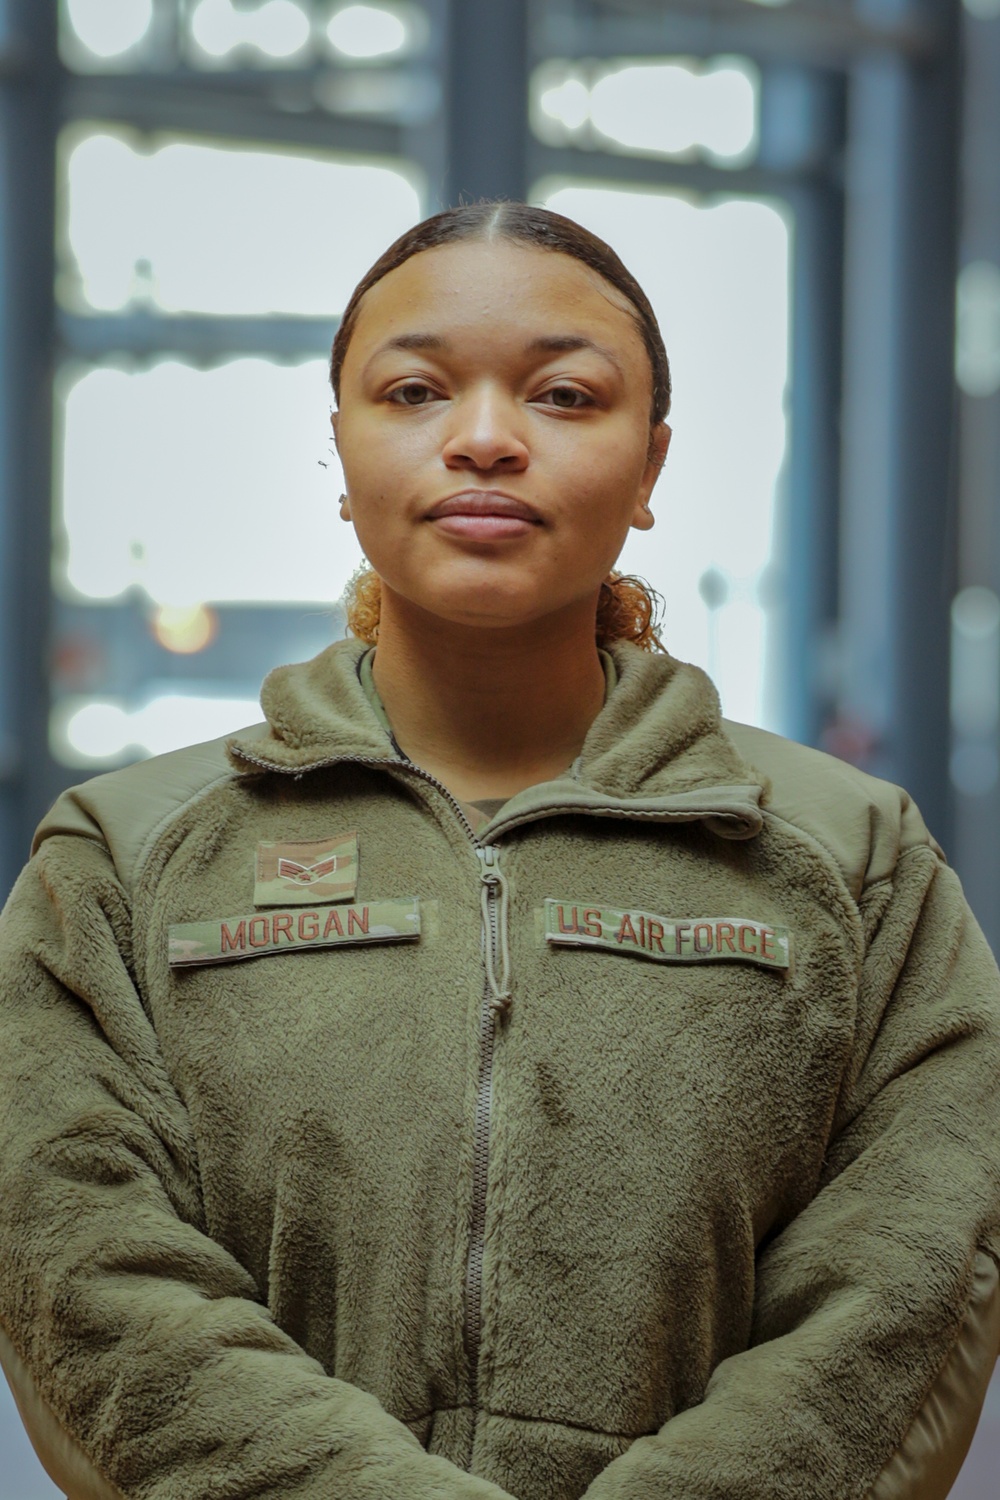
pixel 139 1351
pixel 875 1311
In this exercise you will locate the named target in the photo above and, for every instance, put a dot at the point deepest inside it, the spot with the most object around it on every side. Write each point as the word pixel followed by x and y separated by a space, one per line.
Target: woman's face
pixel 494 432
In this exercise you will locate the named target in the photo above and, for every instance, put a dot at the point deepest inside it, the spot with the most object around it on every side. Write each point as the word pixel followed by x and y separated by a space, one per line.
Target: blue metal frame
pixel 28 92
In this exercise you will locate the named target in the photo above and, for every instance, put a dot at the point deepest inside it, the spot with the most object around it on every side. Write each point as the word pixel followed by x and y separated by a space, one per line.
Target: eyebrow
pixel 556 343
pixel 408 341
pixel 566 343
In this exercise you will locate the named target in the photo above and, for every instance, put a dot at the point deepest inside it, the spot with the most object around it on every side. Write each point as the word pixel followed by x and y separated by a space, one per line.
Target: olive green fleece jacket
pixel 645 1146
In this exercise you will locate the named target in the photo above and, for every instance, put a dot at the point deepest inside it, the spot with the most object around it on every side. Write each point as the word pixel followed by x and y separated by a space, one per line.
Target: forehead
pixel 500 291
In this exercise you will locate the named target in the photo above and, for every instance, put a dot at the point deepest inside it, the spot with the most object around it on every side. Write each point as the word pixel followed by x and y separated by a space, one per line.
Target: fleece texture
pixel 327 1224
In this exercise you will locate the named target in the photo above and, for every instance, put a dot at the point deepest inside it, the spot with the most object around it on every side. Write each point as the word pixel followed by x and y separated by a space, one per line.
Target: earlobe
pixel 345 508
pixel 659 442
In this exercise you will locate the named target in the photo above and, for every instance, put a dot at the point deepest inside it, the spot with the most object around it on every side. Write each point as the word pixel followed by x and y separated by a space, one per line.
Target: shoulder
pixel 863 823
pixel 126 810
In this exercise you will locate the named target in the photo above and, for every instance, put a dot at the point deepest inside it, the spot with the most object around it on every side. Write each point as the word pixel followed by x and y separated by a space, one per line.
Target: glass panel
pixel 676 107
pixel 276 30
pixel 90 732
pixel 202 485
pixel 290 31
pixel 977 328
pixel 369 31
pixel 95 33
pixel 190 228
pixel 717 274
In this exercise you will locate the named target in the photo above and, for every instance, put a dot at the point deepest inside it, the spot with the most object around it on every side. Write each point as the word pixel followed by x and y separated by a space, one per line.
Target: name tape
pixel 667 940
pixel 261 933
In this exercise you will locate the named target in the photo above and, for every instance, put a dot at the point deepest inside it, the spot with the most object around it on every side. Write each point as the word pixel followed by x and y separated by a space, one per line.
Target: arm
pixel 879 1299
pixel 137 1346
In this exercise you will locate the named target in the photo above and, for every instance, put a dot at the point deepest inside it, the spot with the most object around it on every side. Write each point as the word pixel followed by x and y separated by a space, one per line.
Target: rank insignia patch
pixel 309 874
pixel 261 933
pixel 667 940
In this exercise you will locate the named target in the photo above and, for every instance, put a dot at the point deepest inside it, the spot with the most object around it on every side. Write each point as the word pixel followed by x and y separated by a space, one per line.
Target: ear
pixel 335 423
pixel 659 443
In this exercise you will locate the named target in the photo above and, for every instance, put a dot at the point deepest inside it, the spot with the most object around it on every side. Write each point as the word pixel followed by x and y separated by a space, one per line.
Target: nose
pixel 486 433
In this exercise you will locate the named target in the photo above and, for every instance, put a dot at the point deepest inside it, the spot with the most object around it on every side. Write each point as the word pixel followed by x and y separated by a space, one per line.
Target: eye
pixel 566 397
pixel 413 393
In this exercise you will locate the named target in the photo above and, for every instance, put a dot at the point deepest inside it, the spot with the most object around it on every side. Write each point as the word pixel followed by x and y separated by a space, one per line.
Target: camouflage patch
pixel 309 874
pixel 261 933
pixel 667 940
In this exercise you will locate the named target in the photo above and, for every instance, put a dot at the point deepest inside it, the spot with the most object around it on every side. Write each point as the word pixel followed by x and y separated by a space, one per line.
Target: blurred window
pixel 93 733
pixel 717 273
pixel 202 486
pixel 185 227
pixel 121 35
pixel 99 32
pixel 678 107
pixel 197 535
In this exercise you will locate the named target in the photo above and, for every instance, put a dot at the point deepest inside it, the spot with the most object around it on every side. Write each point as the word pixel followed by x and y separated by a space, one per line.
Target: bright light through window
pixel 676 108
pixel 367 31
pixel 718 277
pixel 278 28
pixel 89 733
pixel 977 329
pixel 194 228
pixel 107 28
pixel 203 486
pixel 650 108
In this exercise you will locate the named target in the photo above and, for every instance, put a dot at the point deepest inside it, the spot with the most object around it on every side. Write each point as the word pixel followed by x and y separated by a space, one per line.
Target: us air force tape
pixel 667 940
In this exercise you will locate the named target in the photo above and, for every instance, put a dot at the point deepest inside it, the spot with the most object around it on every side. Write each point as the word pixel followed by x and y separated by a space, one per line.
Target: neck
pixel 488 712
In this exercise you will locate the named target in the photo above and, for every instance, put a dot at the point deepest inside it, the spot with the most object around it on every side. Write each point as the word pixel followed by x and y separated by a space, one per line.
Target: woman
pixel 608 1103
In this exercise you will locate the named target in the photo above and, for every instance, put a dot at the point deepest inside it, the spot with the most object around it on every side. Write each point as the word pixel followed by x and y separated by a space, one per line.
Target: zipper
pixel 397 764
pixel 496 1007
pixel 494 894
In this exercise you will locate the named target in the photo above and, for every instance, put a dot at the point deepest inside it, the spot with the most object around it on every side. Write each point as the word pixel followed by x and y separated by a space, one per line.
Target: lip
pixel 483 515
pixel 484 503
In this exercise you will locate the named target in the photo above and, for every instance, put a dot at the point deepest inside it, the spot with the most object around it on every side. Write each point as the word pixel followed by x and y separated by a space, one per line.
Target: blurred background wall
pixel 808 189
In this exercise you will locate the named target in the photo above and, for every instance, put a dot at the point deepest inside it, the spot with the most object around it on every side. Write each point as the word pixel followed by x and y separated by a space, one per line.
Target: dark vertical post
pixel 801 128
pixel 925 553
pixel 810 521
pixel 28 115
pixel 487 100
pixel 897 532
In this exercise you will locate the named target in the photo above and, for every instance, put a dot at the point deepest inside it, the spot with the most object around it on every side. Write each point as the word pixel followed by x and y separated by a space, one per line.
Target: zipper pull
pixel 495 929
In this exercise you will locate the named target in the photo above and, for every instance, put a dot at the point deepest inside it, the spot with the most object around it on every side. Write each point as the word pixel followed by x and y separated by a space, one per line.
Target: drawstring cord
pixel 495 881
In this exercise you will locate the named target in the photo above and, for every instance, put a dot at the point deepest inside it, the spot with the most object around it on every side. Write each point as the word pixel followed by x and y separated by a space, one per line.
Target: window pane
pixel 92 733
pixel 202 485
pixel 101 33
pixel 675 107
pixel 190 228
pixel 717 274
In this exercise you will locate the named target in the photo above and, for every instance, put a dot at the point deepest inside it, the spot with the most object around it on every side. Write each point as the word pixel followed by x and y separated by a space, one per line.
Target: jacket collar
pixel 657 750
